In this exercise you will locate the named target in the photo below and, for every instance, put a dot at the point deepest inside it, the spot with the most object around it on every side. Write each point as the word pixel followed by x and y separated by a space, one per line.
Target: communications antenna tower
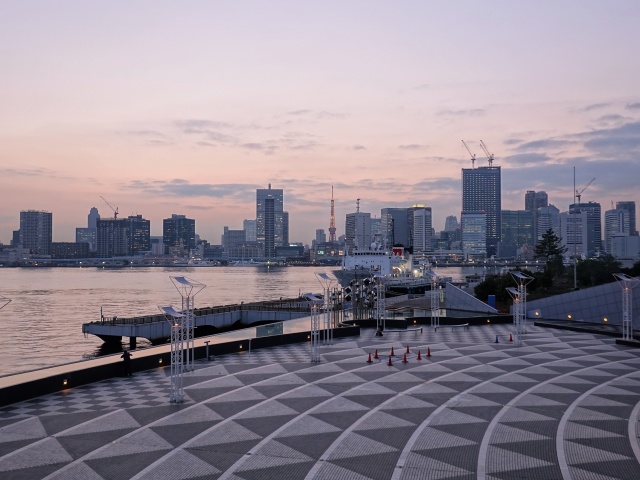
pixel 332 221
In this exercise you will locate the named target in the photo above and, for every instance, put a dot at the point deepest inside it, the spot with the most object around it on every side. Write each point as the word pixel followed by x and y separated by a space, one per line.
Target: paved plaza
pixel 565 405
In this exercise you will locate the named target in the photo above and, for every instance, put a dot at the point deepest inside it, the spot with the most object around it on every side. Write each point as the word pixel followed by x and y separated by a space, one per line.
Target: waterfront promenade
pixel 565 405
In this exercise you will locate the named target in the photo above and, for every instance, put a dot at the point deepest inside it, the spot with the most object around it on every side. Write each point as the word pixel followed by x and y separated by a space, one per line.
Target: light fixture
pixel 569 316
pixel 160 361
pixel 606 319
pixel 488 321
pixel 64 382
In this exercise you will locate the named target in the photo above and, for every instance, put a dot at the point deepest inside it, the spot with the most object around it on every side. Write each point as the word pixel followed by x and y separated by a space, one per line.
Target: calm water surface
pixel 42 326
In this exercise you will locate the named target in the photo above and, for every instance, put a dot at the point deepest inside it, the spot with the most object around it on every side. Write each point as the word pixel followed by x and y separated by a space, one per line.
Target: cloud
pixel 200 124
pixel 613 118
pixel 313 114
pixel 185 189
pixel 28 172
pixel 358 147
pixel 144 133
pixel 524 159
pixel 616 141
pixel 472 112
pixel 633 106
pixel 513 141
pixel 594 106
pixel 411 146
pixel 549 143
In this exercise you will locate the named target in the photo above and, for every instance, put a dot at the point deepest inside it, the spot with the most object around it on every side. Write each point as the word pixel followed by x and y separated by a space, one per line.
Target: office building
pixel 451 224
pixel 547 218
pixel 271 231
pixel 482 192
pixel 533 201
pixel 231 239
pixel 88 234
pixel 594 225
pixel 615 224
pixel 358 231
pixel 630 217
pixel 36 231
pixel 178 235
pixel 249 227
pixel 396 225
pixel 517 227
pixel 574 232
pixel 69 250
pixel 422 230
pixel 123 237
pixel 474 234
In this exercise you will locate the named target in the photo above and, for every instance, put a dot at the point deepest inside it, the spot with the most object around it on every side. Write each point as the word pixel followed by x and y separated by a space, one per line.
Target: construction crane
pixel 579 193
pixel 486 152
pixel 115 210
pixel 473 155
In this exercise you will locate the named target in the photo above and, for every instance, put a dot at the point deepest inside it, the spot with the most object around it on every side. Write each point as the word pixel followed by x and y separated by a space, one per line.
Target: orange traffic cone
pixel 392 354
pixel 419 356
pixel 408 349
pixel 428 351
pixel 510 337
pixel 390 362
pixel 369 360
pixel 404 359
pixel 375 355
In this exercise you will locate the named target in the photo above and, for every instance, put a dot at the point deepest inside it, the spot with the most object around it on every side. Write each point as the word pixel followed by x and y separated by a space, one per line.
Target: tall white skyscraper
pixel 358 231
pixel 422 228
pixel 474 234
pixel 249 227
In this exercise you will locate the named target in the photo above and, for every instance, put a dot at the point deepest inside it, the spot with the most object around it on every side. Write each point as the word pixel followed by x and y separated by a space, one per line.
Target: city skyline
pixel 189 110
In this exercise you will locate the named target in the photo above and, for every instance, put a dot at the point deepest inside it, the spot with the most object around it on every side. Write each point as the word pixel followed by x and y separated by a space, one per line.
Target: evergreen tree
pixel 550 249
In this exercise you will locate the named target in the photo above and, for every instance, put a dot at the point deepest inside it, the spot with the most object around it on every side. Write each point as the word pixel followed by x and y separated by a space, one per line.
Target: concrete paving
pixel 565 405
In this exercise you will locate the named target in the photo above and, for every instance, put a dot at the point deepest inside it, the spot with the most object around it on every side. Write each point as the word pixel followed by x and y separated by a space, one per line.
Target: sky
pixel 165 107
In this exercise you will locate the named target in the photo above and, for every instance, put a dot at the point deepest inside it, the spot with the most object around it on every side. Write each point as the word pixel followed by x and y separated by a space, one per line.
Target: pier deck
pixel 565 405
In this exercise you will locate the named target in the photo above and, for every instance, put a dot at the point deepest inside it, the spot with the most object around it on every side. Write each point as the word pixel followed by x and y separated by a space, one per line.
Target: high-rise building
pixel 232 239
pixel 422 230
pixel 517 227
pixel 89 234
pixel 615 223
pixel 93 217
pixel 376 231
pixel 574 232
pixel 123 237
pixel 547 218
pixel 357 231
pixel 321 237
pixel 178 233
pixel 36 231
pixel 594 225
pixel 482 192
pixel 397 226
pixel 451 224
pixel 249 227
pixel 630 217
pixel 534 201
pixel 271 230
pixel 474 234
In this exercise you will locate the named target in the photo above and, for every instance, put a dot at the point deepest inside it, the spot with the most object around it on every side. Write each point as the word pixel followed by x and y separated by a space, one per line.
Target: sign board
pixel 269 330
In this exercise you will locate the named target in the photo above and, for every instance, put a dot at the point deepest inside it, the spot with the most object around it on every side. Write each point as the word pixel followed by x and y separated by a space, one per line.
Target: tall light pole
pixel 628 284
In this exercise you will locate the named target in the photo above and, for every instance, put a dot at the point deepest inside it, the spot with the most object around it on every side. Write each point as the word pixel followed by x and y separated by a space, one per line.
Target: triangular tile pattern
pixel 501 460
pixel 181 466
pixel 417 464
pixel 77 470
pixel 28 429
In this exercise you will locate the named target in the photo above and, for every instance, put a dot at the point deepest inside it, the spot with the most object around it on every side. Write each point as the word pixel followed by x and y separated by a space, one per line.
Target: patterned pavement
pixel 565 405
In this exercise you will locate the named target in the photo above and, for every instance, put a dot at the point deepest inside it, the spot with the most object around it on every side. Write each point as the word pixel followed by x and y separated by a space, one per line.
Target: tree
pixel 597 271
pixel 550 249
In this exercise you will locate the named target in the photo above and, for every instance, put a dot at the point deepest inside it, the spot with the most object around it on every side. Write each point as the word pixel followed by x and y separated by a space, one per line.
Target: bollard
pixel 207 349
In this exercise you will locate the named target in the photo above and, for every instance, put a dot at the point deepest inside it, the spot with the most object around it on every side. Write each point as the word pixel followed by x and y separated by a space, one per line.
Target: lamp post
pixel 188 289
pixel 326 281
pixel 435 301
pixel 628 284
pixel 519 296
pixel 177 323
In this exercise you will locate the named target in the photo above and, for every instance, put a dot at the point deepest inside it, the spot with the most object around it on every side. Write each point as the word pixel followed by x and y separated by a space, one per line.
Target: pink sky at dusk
pixel 188 107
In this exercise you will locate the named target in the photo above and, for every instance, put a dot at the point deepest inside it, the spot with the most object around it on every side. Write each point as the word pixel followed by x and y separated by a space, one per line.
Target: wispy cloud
pixel 472 112
pixel 358 147
pixel 412 146
pixel 594 106
pixel 548 143
pixel 633 106
pixel 186 189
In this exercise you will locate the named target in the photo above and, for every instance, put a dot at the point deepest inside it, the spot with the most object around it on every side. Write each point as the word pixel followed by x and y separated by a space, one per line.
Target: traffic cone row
pixel 390 362
pixel 407 348
pixel 392 354
pixel 375 355
pixel 369 360
pixel 404 359
pixel 428 351
pixel 510 337
pixel 419 356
